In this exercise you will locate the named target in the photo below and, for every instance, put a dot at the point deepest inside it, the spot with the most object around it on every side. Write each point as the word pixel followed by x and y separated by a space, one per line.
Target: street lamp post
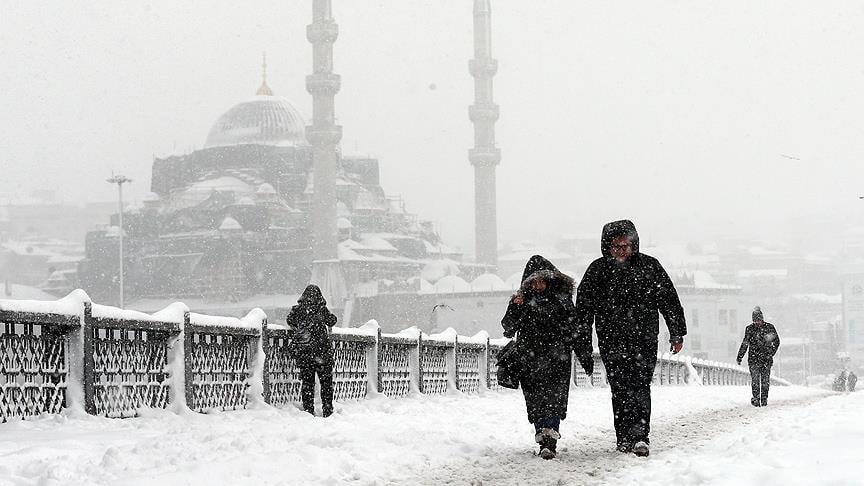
pixel 120 180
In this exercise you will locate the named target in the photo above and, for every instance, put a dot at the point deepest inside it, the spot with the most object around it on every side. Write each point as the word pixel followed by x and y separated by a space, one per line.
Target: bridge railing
pixel 111 362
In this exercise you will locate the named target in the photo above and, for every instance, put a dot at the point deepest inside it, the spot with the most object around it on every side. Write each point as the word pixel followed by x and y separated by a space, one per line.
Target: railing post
pixel 453 365
pixel 74 342
pixel 89 375
pixel 265 349
pixel 373 366
pixel 420 363
pixel 187 336
pixel 485 364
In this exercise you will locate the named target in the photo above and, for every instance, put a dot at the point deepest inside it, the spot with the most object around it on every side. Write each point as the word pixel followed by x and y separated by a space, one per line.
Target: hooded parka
pixel 624 300
pixel 309 322
pixel 544 326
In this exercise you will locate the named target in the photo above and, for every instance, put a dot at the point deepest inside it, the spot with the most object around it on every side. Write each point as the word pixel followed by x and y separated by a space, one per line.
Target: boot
pixel 547 448
pixel 641 449
pixel 755 402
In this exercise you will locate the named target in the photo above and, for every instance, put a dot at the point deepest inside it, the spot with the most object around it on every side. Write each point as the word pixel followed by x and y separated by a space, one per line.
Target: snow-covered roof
pixel 764 272
pixel 704 280
pixel 375 243
pixel 230 224
pixel 452 284
pixel 24 292
pixel 425 286
pixel 836 299
pixel 524 254
pixel 514 281
pixel 434 270
pixel 488 282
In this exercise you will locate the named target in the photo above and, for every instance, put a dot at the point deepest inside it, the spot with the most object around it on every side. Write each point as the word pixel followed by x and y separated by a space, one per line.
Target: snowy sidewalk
pixel 699 434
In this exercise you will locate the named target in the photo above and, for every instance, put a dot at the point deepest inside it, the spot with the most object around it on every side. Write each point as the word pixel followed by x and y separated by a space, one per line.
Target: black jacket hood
pixel 614 230
pixel 539 267
pixel 312 297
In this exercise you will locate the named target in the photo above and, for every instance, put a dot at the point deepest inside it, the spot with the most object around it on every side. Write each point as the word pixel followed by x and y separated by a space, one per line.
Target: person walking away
pixel 763 342
pixel 851 380
pixel 541 317
pixel 623 293
pixel 839 384
pixel 309 324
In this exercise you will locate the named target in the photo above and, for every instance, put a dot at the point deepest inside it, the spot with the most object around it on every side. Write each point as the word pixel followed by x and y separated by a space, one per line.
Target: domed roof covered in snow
pixel 265 120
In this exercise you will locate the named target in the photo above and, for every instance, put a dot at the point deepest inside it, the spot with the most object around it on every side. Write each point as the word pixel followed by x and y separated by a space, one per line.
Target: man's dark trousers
pixel 629 375
pixel 760 376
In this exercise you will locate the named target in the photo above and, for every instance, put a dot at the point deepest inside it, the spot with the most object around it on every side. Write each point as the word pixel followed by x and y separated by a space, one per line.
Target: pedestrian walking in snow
pixel 851 380
pixel 621 293
pixel 541 318
pixel 763 341
pixel 309 323
pixel 839 384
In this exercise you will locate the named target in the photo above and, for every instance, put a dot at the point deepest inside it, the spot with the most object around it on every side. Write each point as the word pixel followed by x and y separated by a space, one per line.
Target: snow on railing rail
pixel 71 353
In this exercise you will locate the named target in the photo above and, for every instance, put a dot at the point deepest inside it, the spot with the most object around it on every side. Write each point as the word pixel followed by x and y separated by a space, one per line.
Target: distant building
pixel 233 219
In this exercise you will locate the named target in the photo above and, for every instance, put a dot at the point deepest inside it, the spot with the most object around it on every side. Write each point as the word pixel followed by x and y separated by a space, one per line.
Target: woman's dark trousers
pixel 760 376
pixel 307 390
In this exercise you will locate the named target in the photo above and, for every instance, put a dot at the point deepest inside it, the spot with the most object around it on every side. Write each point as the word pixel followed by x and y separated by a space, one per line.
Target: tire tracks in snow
pixel 591 458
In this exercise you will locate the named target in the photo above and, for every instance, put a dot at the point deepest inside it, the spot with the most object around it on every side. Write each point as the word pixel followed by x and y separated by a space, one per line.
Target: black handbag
pixel 509 365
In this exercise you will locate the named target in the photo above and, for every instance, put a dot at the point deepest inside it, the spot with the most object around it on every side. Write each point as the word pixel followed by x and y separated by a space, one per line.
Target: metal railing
pixel 108 362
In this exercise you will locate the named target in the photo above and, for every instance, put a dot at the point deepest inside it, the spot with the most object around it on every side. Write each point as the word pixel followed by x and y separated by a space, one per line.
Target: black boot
pixel 547 448
pixel 641 448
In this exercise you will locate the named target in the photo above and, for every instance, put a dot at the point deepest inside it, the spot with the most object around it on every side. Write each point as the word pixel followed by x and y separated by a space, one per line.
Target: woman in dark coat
pixel 309 323
pixel 542 317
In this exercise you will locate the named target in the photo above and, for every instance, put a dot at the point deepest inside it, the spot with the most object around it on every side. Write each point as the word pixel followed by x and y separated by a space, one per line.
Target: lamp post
pixel 120 180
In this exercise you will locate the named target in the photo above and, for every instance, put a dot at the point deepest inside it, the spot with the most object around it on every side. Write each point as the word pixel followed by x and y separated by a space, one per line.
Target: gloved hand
pixel 587 362
pixel 676 343
pixel 738 361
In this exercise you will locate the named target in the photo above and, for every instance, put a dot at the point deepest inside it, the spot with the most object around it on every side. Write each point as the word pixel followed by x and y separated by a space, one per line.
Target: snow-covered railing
pixel 369 362
pixel 111 362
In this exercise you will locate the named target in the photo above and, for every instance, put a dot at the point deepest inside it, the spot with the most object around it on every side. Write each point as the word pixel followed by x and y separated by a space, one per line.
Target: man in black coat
pixel 542 313
pixel 621 293
pixel 309 323
pixel 762 339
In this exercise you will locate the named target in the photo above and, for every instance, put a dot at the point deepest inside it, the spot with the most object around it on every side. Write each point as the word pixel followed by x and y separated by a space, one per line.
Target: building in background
pixel 234 219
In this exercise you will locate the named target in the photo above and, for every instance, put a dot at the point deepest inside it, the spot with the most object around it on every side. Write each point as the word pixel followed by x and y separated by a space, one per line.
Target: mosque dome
pixel 264 120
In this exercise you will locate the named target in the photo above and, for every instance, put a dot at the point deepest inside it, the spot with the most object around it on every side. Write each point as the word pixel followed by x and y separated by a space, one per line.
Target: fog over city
pixel 697 120
pixel 362 241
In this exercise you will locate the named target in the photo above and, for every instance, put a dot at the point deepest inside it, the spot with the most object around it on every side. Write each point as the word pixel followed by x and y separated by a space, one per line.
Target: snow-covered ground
pixel 700 435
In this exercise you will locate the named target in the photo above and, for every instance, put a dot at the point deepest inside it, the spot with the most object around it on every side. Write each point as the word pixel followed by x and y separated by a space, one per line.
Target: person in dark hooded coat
pixel 541 317
pixel 621 293
pixel 763 342
pixel 309 323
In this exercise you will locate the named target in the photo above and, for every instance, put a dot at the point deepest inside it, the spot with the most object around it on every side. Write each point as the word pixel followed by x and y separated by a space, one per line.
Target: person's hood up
pixel 312 297
pixel 614 230
pixel 539 267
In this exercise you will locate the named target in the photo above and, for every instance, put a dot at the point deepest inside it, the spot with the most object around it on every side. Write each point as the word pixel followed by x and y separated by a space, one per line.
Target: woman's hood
pixel 312 297
pixel 541 268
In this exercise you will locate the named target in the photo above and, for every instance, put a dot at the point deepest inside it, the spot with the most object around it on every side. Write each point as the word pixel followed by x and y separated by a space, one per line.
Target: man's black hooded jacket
pixel 623 299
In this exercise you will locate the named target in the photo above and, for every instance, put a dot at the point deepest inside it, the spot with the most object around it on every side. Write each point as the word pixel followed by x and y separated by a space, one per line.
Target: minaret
pixel 324 136
pixel 264 90
pixel 484 156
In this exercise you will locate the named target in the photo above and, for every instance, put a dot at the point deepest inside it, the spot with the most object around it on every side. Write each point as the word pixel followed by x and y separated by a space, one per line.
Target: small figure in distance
pixel 763 341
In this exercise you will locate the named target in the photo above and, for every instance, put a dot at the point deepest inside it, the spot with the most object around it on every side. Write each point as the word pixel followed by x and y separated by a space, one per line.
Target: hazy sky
pixel 692 118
